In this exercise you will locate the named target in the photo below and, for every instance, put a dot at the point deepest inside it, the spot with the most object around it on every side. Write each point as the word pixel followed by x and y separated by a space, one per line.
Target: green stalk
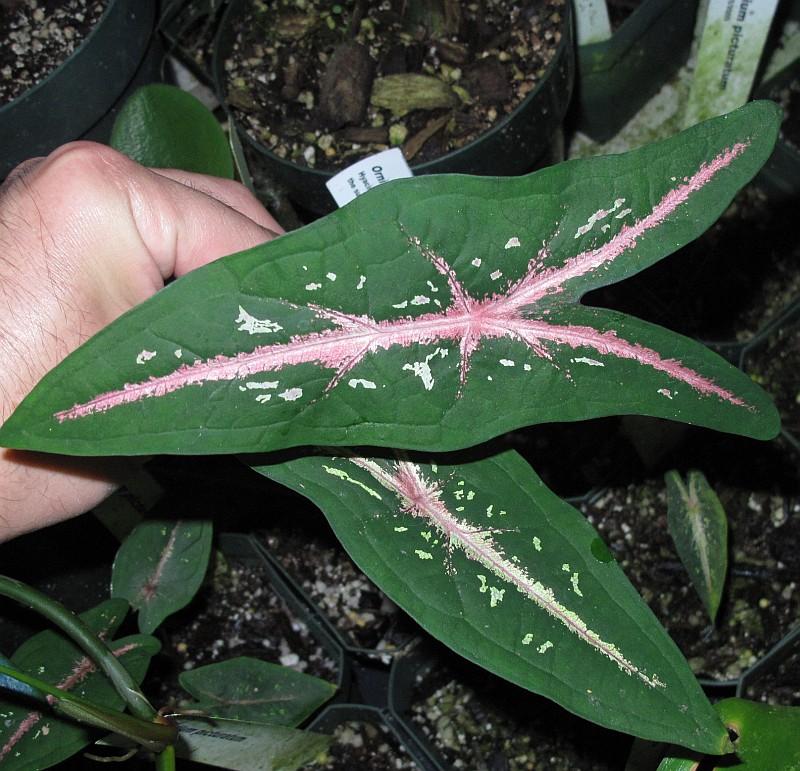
pixel 83 636
pixel 152 735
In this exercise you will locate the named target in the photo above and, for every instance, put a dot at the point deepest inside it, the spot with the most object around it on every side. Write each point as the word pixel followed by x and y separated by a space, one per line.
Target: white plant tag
pixel 592 24
pixel 733 38
pixel 367 173
pixel 244 746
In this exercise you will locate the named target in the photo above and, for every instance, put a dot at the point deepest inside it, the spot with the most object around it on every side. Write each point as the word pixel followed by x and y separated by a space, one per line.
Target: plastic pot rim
pixel 54 73
pixel 218 73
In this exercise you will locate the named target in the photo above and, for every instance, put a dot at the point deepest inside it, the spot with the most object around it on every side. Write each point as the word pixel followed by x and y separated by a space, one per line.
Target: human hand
pixel 86 234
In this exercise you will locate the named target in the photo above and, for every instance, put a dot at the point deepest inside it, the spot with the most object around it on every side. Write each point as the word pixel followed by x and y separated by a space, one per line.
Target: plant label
pixel 730 49
pixel 367 173
pixel 592 24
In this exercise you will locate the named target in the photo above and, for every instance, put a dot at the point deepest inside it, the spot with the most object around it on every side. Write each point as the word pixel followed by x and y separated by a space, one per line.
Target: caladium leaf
pixel 160 567
pixel 245 688
pixel 397 319
pixel 699 527
pixel 32 737
pixel 495 565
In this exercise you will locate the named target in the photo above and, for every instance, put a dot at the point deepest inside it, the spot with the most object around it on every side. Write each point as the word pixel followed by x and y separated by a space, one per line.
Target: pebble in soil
pixel 38 35
pixel 366 616
pixel 237 613
pixel 323 85
pixel 761 602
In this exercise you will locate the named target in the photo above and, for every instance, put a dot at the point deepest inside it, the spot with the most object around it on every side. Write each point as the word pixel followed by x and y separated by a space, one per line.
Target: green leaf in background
pixel 160 567
pixel 433 313
pixel 162 126
pixel 767 738
pixel 242 746
pixel 492 563
pixel 699 527
pixel 245 688
pixel 32 737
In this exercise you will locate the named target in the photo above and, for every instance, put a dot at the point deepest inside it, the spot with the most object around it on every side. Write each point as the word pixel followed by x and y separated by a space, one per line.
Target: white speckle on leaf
pixel 490 510
pixel 355 382
pixel 420 299
pixel 507 362
pixel 587 360
pixel 512 243
pixel 489 378
pixel 432 286
pixel 477 262
pixel 528 639
pixel 263 398
pixel 423 555
pixel 605 228
pixel 526 367
pixel 574 580
pixel 313 286
pixel 330 276
pixel 254 326
pixel 400 529
pixel 178 353
pixel 494 275
pixel 545 646
pixel 401 305
pixel 665 392
pixel 623 213
pixel 291 394
pixel 145 356
pixel 361 281
pixel 600 214
pixel 343 475
pixel 565 567
pixel 495 596
pixel 537 543
pixel 258 385
pixel 422 369
pixel 470 495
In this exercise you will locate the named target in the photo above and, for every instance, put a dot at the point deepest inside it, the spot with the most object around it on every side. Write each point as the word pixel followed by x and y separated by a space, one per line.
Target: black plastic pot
pixel 73 101
pixel 617 76
pixel 782 657
pixel 782 328
pixel 780 177
pixel 511 147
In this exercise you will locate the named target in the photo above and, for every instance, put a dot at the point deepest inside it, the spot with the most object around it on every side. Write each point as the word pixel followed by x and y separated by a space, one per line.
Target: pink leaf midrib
pixel 467 321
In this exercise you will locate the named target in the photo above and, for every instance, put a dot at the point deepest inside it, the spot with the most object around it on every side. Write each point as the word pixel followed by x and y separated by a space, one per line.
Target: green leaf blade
pixel 160 567
pixel 440 294
pixel 162 126
pixel 257 691
pixel 34 738
pixel 699 527
pixel 492 563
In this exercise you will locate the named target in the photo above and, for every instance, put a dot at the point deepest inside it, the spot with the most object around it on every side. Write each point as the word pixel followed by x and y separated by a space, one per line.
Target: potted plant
pixel 311 89
pixel 77 97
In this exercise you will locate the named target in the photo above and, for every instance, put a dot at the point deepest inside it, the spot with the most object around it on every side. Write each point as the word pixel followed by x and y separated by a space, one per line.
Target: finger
pixel 231 193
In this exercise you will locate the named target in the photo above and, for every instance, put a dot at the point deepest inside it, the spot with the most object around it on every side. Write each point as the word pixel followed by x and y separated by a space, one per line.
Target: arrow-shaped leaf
pixel 245 688
pixel 398 318
pixel 160 566
pixel 491 562
pixel 699 527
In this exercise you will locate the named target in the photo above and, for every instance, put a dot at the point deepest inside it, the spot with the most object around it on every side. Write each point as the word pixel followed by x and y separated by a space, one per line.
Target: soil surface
pixel 238 613
pixel 789 98
pixel 479 722
pixel 37 36
pixel 366 617
pixel 324 85
pixel 761 602
pixel 361 746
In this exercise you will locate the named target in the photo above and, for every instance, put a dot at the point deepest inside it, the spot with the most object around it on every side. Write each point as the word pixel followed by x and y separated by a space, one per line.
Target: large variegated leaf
pixel 491 562
pixel 432 313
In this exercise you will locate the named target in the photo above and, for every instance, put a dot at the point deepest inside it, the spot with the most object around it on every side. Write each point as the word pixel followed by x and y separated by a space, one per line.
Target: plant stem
pixel 83 636
pixel 165 761
pixel 152 735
